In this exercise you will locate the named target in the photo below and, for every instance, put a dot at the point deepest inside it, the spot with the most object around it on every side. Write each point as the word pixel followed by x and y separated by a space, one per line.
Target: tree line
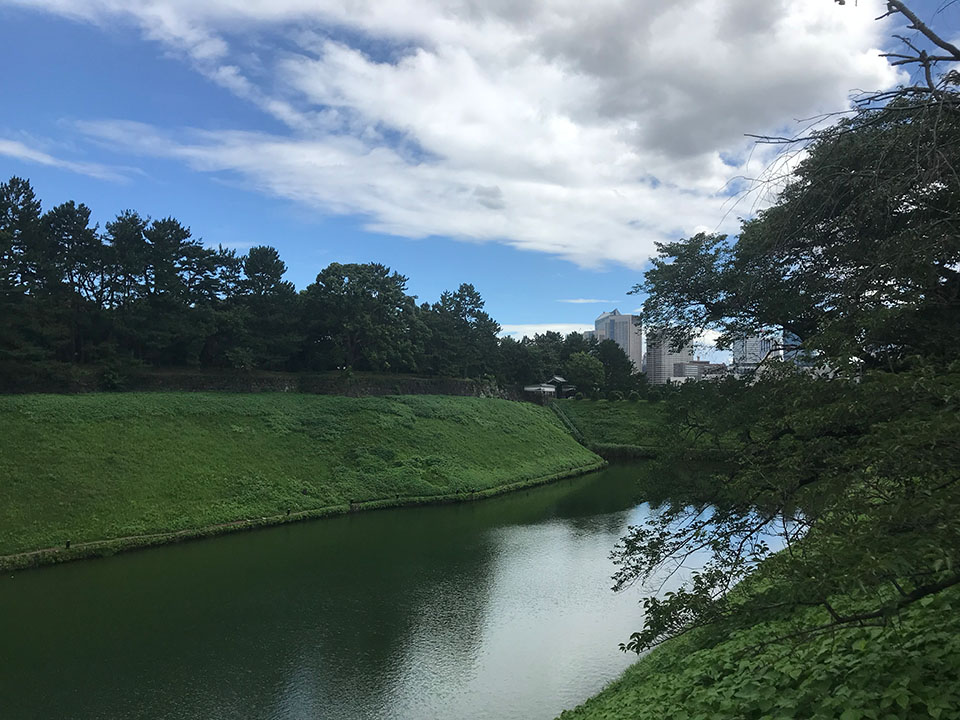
pixel 144 291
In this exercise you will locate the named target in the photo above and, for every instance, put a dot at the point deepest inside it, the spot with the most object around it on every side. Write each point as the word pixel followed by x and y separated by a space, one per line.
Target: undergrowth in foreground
pixel 94 467
pixel 908 669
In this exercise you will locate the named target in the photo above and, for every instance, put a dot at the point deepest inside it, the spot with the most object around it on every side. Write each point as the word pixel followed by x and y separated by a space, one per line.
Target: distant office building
pixel 699 369
pixel 589 334
pixel 696 370
pixel 715 371
pixel 664 365
pixel 751 350
pixel 626 331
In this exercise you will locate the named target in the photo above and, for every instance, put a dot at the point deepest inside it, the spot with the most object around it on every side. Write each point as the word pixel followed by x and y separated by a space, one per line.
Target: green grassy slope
pixel 93 467
pixel 908 669
pixel 610 423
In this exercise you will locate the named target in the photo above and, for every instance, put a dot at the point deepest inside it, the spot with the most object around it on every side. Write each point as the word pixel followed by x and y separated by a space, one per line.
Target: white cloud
pixel 530 329
pixel 705 348
pixel 21 151
pixel 589 130
pixel 588 301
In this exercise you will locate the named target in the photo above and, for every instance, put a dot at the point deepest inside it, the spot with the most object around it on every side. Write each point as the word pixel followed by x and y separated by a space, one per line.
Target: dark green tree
pixel 576 343
pixel 263 273
pixel 517 362
pixel 618 369
pixel 358 316
pixel 182 286
pixel 128 255
pixel 585 371
pixel 855 472
pixel 26 330
pixel 19 233
pixel 463 337
pixel 75 257
pixel 147 291
pixel 271 313
pixel 550 351
pixel 859 257
pixel 73 266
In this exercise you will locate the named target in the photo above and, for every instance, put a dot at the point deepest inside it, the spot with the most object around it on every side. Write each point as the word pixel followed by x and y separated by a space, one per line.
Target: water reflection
pixel 495 609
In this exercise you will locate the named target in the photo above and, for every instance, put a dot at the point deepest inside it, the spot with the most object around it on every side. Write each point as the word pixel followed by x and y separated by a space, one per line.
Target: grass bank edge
pixel 594 423
pixel 106 548
pixel 103 468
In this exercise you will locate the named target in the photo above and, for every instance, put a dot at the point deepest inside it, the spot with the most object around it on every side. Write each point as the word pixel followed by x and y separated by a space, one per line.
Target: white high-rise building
pixel 665 365
pixel 751 350
pixel 626 331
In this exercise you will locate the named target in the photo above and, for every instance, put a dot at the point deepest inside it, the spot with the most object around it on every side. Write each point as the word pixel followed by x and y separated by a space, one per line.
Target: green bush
pixel 634 396
pixel 615 395
pixel 905 670
pixel 241 358
pixel 113 376
pixel 578 396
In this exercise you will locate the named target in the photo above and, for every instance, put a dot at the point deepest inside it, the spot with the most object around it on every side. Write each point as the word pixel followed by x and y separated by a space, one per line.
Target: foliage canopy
pixel 854 474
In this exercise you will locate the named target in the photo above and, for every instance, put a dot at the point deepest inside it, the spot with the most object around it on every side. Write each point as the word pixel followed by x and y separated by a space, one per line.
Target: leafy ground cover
pixel 614 422
pixel 908 669
pixel 857 617
pixel 93 467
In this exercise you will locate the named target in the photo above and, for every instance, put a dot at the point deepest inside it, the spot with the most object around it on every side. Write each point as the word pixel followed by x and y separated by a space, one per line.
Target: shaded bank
pixel 614 429
pixel 113 471
pixel 67 378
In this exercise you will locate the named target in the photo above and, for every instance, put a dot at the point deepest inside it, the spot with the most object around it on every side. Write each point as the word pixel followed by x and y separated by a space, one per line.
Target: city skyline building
pixel 699 369
pixel 663 364
pixel 625 330
pixel 751 350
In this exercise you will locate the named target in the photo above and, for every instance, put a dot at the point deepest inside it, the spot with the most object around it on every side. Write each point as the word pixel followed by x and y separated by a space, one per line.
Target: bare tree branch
pixel 917 24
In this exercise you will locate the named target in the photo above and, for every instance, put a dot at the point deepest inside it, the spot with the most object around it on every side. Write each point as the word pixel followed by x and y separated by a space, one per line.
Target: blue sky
pixel 537 151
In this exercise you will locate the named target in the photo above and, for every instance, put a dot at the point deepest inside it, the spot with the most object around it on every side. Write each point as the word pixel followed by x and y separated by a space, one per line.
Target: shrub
pixel 241 358
pixel 615 395
pixel 578 396
pixel 634 396
pixel 113 377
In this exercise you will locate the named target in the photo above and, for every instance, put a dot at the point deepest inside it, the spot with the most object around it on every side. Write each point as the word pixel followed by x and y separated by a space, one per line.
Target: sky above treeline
pixel 535 149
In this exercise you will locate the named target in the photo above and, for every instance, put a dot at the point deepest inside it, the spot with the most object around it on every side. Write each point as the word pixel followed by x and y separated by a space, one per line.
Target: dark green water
pixel 495 609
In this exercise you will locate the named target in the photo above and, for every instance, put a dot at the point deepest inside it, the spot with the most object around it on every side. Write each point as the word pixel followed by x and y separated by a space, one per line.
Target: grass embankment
pixel 141 466
pixel 906 670
pixel 614 428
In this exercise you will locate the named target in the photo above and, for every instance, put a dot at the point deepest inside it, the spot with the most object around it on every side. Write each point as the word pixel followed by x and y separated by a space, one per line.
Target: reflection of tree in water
pixel 329 619
pixel 296 621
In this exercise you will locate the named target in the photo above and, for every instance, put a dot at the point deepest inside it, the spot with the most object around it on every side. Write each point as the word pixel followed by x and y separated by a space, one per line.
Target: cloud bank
pixel 518 331
pixel 22 151
pixel 588 301
pixel 587 130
